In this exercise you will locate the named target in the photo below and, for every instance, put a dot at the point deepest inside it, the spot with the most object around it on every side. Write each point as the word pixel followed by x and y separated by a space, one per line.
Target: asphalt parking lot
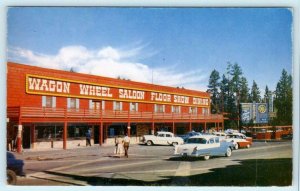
pixel 156 166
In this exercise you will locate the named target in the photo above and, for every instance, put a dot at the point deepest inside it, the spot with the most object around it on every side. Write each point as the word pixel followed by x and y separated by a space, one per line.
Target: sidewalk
pixel 94 150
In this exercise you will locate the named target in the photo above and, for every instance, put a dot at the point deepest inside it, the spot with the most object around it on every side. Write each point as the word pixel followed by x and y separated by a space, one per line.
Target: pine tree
pixel 230 93
pixel 255 93
pixel 224 91
pixel 244 96
pixel 213 89
pixel 236 73
pixel 284 100
pixel 266 96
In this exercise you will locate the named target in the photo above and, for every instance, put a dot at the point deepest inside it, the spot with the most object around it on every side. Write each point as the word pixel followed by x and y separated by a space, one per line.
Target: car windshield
pixel 196 140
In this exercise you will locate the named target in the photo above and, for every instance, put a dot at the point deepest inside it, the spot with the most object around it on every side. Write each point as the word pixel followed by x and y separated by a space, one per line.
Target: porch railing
pixel 44 112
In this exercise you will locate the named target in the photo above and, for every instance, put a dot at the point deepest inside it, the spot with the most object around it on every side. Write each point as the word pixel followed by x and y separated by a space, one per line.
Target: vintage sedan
pixel 239 139
pixel 162 138
pixel 204 146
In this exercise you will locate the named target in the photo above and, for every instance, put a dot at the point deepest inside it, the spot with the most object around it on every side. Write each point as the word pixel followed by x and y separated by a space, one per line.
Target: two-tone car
pixel 204 146
pixel 239 139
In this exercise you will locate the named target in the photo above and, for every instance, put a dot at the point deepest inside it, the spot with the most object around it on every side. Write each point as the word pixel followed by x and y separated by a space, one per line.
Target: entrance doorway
pixel 26 138
pixel 96 134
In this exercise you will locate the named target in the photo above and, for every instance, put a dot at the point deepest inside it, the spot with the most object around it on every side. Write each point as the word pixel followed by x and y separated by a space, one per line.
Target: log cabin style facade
pixel 49 108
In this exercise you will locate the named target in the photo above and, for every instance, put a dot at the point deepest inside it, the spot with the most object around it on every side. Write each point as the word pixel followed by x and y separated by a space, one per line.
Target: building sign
pixel 257 112
pixel 262 115
pixel 246 112
pixel 69 88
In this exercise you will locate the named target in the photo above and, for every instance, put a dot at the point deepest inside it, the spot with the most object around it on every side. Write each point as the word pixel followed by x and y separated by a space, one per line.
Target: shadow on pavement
pixel 254 172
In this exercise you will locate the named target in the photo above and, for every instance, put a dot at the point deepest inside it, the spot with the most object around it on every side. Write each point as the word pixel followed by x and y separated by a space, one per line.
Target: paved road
pixel 155 165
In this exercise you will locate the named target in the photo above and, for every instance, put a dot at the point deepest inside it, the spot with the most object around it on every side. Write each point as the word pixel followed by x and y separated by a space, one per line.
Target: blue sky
pixel 168 46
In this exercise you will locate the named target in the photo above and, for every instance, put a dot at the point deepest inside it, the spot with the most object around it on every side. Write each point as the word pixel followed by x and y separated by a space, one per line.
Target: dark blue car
pixel 14 168
pixel 188 135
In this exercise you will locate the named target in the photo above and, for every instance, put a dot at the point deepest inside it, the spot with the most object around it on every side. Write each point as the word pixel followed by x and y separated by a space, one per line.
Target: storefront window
pixel 116 130
pixel 77 131
pixel 48 133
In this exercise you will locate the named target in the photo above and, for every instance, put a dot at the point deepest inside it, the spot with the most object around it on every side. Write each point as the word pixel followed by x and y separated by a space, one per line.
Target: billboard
pixel 246 112
pixel 262 114
pixel 257 112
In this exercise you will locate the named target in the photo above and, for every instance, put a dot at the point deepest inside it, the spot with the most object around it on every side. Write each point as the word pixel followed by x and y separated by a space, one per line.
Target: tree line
pixel 232 88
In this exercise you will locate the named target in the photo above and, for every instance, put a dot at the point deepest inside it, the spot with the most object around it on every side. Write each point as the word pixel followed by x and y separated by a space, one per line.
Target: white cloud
pixel 111 62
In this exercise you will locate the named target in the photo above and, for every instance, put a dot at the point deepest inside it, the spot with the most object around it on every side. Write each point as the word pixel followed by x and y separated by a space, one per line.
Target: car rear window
pixel 196 140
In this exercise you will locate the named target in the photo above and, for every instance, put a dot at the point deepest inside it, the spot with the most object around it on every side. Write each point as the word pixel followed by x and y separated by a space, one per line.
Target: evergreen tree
pixel 244 96
pixel 284 100
pixel 72 69
pixel 224 91
pixel 266 96
pixel 255 93
pixel 230 94
pixel 235 73
pixel 213 89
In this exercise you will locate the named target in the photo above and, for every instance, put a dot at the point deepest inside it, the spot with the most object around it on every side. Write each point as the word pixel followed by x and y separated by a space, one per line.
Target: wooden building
pixel 49 108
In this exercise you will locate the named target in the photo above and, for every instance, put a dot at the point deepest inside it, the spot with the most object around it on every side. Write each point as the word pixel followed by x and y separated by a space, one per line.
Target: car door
pixel 212 146
pixel 161 139
pixel 169 139
pixel 217 149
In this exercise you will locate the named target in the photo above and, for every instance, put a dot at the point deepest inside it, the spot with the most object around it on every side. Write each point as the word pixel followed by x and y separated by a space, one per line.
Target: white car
pixel 239 139
pixel 221 135
pixel 204 146
pixel 162 138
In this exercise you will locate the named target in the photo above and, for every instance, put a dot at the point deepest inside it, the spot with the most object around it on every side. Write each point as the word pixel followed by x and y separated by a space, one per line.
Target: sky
pixel 177 47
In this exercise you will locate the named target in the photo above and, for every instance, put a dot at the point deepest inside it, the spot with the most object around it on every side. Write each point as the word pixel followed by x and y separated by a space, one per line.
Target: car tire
pixel 236 147
pixel 174 144
pixel 206 157
pixel 149 143
pixel 248 146
pixel 228 152
pixel 11 177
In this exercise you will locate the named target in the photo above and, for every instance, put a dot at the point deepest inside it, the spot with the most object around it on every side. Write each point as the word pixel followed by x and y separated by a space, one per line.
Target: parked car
pixel 162 138
pixel 287 136
pixel 189 134
pixel 239 139
pixel 221 135
pixel 204 146
pixel 14 168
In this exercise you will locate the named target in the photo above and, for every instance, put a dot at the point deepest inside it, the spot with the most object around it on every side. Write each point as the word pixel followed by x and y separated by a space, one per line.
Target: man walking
pixel 126 145
pixel 88 137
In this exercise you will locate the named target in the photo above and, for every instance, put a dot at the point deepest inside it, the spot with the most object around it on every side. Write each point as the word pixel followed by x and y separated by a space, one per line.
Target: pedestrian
pixel 120 147
pixel 116 144
pixel 126 141
pixel 88 138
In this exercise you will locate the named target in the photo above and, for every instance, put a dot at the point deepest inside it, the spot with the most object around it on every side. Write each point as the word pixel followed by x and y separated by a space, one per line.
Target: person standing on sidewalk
pixel 126 145
pixel 120 147
pixel 88 138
